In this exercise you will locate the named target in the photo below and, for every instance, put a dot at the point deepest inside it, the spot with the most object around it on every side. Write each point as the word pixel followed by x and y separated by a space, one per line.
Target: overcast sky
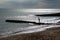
pixel 29 4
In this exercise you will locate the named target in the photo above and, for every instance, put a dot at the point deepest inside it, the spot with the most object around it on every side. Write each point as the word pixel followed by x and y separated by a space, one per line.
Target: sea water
pixel 6 27
pixel 18 28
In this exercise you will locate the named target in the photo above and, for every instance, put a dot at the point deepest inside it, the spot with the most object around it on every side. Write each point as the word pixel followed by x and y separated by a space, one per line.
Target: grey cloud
pixel 32 4
pixel 53 3
pixel 16 4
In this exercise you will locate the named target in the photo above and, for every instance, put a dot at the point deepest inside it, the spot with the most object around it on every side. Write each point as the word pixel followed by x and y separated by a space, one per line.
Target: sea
pixel 7 28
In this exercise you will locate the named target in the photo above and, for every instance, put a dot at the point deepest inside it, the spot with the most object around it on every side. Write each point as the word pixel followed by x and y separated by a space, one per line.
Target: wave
pixel 30 29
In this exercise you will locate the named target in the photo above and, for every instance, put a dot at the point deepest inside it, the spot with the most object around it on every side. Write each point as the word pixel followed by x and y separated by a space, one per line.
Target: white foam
pixel 30 29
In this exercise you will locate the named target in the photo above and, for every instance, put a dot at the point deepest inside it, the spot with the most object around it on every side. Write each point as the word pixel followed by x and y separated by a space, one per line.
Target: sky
pixel 18 5
pixel 29 4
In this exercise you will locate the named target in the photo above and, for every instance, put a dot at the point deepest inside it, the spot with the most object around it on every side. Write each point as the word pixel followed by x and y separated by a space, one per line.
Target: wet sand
pixel 49 34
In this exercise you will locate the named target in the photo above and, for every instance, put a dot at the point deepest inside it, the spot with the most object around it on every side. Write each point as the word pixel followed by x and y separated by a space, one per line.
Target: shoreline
pixel 30 29
pixel 49 34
